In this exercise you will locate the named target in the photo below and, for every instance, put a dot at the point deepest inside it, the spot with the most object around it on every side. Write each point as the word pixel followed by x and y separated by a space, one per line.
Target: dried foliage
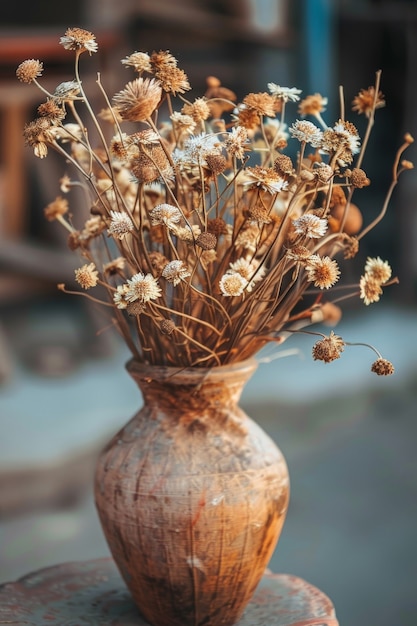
pixel 210 239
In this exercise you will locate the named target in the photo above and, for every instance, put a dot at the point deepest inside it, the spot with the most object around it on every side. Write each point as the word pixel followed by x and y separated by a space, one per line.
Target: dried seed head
pixel 283 165
pixel 135 308
pixel 378 269
pixel 206 241
pixel 217 226
pixel 382 367
pixel 216 163
pixel 329 348
pixel 350 247
pixel 140 61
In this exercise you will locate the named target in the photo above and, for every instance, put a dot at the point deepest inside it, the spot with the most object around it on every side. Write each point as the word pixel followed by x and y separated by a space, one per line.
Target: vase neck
pixel 193 386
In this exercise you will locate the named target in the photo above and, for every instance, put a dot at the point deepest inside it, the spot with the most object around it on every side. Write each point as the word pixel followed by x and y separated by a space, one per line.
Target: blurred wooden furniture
pixel 94 591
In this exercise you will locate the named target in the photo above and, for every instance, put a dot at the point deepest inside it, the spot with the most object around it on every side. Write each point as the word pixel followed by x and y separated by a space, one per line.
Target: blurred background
pixel 349 438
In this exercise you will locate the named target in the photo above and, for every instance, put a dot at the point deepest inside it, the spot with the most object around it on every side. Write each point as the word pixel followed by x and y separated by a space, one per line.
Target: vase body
pixel 192 495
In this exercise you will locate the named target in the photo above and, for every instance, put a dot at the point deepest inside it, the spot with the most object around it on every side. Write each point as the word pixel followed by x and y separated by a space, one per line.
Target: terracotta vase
pixel 192 495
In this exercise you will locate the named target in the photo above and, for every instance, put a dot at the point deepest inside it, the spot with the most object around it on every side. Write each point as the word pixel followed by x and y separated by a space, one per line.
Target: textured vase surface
pixel 192 495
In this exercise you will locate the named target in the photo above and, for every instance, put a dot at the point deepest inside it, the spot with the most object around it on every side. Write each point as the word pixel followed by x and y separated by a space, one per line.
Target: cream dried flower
pixel 143 288
pixel 310 225
pixel 232 284
pixel 286 94
pixel 166 214
pixel 79 39
pixel 120 225
pixel 378 270
pixel 119 296
pixel 307 132
pixel 369 289
pixel 322 271
pixel 140 61
pixel 175 271
pixel 87 276
pixel 236 142
pixel 250 271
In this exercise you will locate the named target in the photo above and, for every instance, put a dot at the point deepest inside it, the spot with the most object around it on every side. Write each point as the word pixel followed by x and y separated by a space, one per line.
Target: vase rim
pixel 175 374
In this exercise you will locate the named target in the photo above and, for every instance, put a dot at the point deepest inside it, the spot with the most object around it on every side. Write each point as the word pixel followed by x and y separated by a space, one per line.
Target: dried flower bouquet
pixel 208 238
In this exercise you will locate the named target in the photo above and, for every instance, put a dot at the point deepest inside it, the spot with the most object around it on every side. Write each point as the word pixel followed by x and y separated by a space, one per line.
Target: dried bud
pixel 167 327
pixel 359 179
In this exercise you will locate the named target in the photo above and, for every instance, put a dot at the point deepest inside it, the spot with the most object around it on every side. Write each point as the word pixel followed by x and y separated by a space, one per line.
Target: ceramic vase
pixel 192 495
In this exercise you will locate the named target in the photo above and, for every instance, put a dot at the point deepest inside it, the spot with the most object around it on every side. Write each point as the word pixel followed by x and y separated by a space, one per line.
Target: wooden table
pixel 93 593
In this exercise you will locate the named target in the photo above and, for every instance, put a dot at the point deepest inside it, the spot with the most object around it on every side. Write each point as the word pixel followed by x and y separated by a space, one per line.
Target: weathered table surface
pixel 93 593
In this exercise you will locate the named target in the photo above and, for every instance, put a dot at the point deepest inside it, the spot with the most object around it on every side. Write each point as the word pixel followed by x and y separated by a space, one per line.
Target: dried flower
pixel 56 209
pixel 367 101
pixel 370 289
pixel 310 225
pixel 120 225
pixel 29 70
pixel 382 367
pixel 79 39
pixel 140 61
pixel 138 100
pixel 284 93
pixel 232 284
pixel 312 105
pixel 87 276
pixel 142 288
pixel 378 270
pixel 322 271
pixel 262 103
pixel 218 237
pixel 329 348
pixel 175 271
pixel 165 214
pixel 307 132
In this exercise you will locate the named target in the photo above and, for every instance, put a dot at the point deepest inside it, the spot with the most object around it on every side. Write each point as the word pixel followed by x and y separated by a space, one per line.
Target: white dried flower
pixel 143 288
pixel 232 284
pixel 310 226
pixel 120 225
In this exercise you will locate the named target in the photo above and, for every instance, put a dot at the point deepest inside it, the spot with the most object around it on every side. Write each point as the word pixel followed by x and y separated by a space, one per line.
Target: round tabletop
pixel 93 593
